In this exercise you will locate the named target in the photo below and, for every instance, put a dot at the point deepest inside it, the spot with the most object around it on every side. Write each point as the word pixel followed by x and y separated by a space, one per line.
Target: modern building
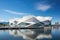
pixel 28 21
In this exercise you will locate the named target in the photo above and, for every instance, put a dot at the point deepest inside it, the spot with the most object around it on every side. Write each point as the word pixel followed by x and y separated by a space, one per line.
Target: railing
pixel 10 28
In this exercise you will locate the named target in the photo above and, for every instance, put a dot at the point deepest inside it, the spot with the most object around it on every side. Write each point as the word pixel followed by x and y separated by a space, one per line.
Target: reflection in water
pixel 56 33
pixel 32 34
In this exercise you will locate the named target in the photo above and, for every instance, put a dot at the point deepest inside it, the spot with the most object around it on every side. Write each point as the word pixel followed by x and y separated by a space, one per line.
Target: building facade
pixel 27 21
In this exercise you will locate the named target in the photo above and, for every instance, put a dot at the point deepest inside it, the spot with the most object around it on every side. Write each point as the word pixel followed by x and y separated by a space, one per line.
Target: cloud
pixel 16 13
pixel 2 21
pixel 43 6
pixel 14 19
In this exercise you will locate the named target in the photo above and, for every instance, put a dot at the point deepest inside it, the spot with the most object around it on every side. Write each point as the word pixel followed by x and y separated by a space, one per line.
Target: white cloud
pixel 14 19
pixel 43 6
pixel 2 21
pixel 17 13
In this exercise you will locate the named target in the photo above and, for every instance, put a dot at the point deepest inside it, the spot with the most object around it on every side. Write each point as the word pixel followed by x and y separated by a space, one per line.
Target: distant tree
pixel 4 25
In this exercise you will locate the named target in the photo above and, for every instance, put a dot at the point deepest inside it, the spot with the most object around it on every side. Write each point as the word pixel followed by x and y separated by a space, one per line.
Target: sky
pixel 18 8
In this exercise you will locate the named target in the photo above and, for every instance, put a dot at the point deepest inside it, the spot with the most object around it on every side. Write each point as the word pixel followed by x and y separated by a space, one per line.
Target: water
pixel 31 34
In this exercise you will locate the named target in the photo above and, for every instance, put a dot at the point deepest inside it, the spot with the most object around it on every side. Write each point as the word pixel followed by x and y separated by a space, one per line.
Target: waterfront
pixel 30 34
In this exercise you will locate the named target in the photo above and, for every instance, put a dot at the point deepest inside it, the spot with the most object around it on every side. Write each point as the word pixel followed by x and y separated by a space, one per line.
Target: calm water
pixel 31 34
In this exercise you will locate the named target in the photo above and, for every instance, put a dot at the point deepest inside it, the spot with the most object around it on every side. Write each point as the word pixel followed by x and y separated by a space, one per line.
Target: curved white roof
pixel 40 18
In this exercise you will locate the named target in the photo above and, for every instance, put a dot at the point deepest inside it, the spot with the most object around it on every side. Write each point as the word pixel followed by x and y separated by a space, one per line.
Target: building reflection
pixel 32 34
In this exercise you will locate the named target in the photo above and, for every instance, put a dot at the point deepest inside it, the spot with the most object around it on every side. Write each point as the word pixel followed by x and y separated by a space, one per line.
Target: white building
pixel 29 20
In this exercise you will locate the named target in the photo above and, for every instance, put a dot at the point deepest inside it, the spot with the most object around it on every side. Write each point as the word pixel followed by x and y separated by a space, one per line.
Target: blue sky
pixel 18 8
